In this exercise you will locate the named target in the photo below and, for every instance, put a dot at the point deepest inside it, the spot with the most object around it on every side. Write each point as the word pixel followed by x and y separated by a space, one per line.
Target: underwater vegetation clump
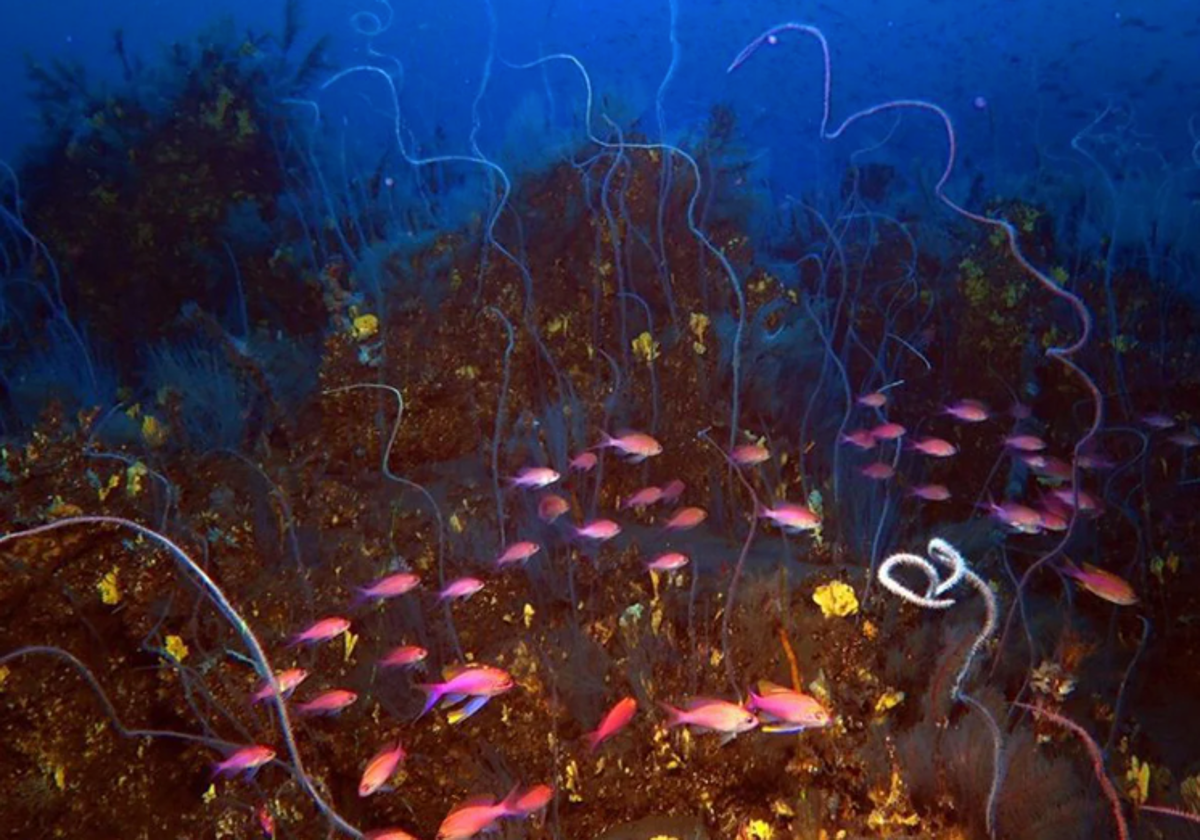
pixel 585 495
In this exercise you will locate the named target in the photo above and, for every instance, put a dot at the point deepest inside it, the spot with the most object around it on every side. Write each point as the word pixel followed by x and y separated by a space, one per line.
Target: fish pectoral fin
pixel 467 709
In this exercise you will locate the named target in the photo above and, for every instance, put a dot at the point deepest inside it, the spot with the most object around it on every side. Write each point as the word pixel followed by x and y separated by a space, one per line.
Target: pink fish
pixel 266 821
pixel 712 715
pixel 614 720
pixel 478 682
pixel 534 478
pixel 287 682
pixel 1158 421
pixel 599 530
pixel 1018 517
pixel 968 411
pixel 391 586
pixel 381 768
pixel 531 800
pixel 328 703
pixel 792 518
pixel 931 492
pixel 584 461
pixel 462 588
pixel 668 562
pixel 245 760
pixel 878 471
pixel 672 491
pixel 643 498
pixel 551 507
pixel 476 815
pixel 1102 584
pixel 876 399
pixel 888 431
pixel 404 656
pixel 785 710
pixel 750 454
pixel 934 447
pixel 1185 440
pixel 860 438
pixel 1054 521
pixel 1095 462
pixel 322 631
pixel 1069 497
pixel 1025 443
pixel 634 446
pixel 1055 468
pixel 686 518
pixel 518 552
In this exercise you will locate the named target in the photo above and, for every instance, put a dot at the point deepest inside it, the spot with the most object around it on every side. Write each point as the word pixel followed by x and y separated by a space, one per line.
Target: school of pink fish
pixel 464 690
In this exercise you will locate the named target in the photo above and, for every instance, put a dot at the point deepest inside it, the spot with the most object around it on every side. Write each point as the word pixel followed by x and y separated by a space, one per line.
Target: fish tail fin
pixel 593 740
pixel 433 693
pixel 675 717
pixel 512 802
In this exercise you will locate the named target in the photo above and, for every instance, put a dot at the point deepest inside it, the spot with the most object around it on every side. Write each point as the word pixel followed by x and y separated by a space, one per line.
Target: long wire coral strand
pixel 399 479
pixel 717 253
pixel 741 562
pixel 1062 353
pixel 1106 784
pixel 257 654
pixel 504 380
pixel 948 556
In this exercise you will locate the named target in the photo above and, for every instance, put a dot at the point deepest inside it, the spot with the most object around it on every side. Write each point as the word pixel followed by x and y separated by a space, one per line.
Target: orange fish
pixel 381 768
pixel 635 446
pixel 476 815
pixel 322 631
pixel 518 552
pixel 750 455
pixel 329 703
pixel 934 447
pixel 551 506
pixel 245 760
pixel 1102 584
pixel 287 682
pixel 532 800
pixel 404 656
pixel 686 519
pixel 616 719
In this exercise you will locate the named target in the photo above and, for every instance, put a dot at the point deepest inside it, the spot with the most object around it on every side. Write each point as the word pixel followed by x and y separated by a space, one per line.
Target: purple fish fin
pixel 782 728
pixel 433 693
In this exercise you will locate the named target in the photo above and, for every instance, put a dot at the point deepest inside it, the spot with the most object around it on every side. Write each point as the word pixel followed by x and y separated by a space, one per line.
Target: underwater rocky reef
pixel 577 488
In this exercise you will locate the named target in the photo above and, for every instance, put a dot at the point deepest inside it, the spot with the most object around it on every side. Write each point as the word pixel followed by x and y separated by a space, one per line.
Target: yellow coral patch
pixel 133 478
pixel 836 599
pixel 176 648
pixel 364 327
pixel 110 591
pixel 153 432
pixel 645 348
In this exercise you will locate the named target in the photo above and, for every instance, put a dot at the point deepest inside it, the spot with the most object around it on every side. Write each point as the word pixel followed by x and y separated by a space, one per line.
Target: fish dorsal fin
pixel 767 688
pixel 1095 570
pixel 479 800
pixel 697 702
pixel 449 672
